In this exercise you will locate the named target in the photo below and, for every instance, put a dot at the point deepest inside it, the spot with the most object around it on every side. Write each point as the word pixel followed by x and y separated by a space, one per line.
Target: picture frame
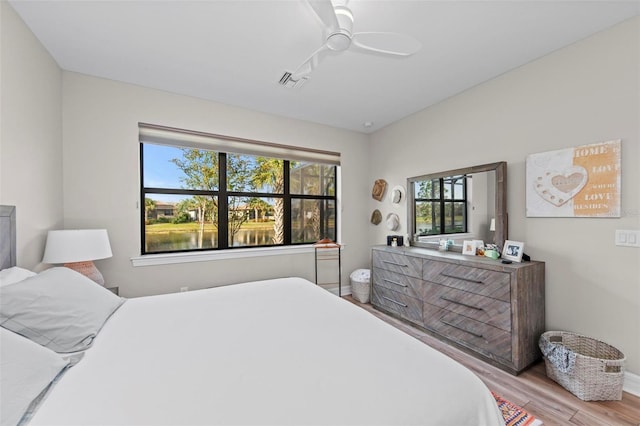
pixel 513 250
pixel 479 246
pixel 581 181
pixel 469 247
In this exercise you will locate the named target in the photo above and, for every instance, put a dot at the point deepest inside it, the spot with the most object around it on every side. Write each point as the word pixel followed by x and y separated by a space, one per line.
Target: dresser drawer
pixel 398 262
pixel 404 284
pixel 485 282
pixel 405 306
pixel 475 335
pixel 480 308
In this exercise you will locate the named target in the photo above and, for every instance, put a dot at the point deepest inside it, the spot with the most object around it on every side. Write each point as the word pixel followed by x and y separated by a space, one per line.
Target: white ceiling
pixel 235 51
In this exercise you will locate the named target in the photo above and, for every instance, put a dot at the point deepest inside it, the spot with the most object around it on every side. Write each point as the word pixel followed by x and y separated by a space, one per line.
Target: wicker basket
pixel 598 372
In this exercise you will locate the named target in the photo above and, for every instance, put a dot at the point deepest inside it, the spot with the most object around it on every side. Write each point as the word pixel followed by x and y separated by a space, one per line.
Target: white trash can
pixel 360 285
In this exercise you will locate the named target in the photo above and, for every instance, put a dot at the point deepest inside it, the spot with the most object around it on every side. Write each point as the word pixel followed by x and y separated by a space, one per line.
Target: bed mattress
pixel 278 352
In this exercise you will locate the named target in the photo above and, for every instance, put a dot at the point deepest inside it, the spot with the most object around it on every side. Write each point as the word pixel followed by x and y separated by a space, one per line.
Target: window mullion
pixel 322 219
pixel 223 203
pixel 442 209
pixel 464 210
pixel 143 195
pixel 287 202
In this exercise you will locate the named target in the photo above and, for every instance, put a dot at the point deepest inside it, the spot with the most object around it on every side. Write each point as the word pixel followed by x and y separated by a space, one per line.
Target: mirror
pixel 458 205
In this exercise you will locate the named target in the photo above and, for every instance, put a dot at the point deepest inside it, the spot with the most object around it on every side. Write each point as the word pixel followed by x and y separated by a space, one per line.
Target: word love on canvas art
pixel 583 181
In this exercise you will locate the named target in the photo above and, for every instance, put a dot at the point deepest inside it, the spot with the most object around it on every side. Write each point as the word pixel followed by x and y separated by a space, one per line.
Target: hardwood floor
pixel 532 390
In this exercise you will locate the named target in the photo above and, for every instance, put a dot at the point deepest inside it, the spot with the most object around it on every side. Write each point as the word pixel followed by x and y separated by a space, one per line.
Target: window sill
pixel 171 258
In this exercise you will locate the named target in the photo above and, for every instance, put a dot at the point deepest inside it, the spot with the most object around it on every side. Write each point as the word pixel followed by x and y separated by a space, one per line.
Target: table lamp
pixel 77 249
pixel 492 228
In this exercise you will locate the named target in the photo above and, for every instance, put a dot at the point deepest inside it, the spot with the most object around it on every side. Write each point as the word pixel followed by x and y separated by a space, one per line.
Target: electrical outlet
pixel 627 238
pixel 183 289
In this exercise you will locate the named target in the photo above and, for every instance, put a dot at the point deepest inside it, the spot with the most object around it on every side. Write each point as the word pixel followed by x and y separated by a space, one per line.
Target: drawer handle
pixel 471 280
pixel 461 303
pixel 395 263
pixel 394 301
pixel 473 333
pixel 395 282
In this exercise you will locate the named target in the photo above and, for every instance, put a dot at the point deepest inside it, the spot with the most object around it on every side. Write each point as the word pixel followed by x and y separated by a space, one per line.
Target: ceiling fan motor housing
pixel 338 41
pixel 341 39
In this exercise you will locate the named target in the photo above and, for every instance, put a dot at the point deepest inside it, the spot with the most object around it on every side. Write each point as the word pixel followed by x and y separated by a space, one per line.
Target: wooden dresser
pixel 490 309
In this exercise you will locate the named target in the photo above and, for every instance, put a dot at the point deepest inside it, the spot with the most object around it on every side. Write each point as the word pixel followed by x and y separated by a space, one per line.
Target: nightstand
pixel 114 290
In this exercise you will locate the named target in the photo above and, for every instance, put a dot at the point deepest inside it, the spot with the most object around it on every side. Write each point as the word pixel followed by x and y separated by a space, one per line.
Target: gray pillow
pixel 28 370
pixel 58 308
pixel 13 275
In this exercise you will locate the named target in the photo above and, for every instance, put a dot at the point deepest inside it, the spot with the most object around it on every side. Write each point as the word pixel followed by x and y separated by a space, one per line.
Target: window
pixel 198 194
pixel 440 205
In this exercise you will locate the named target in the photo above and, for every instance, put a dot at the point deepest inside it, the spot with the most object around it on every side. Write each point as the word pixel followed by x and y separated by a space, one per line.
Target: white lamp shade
pixel 76 245
pixel 492 226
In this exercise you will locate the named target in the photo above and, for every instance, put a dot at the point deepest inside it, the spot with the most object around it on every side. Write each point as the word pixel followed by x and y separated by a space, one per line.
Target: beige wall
pixel 585 93
pixel 101 183
pixel 30 136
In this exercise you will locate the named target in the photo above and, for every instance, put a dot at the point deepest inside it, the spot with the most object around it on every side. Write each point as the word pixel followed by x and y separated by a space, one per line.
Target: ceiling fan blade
pixel 326 13
pixel 310 63
pixel 386 43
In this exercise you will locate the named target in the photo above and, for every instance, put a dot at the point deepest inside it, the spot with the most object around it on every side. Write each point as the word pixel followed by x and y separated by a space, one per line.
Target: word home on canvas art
pixel 583 181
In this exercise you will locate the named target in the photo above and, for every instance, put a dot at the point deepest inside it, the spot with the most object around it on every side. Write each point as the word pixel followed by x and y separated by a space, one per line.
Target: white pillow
pixel 27 369
pixel 59 308
pixel 14 274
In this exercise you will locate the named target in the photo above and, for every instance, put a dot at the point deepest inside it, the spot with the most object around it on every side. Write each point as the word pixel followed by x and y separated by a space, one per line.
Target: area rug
pixel 513 414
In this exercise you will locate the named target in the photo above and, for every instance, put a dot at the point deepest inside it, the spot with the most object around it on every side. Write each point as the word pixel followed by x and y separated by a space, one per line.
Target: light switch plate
pixel 627 238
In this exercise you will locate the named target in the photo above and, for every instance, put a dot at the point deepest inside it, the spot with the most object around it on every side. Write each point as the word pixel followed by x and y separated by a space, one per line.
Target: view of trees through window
pixel 196 199
pixel 441 206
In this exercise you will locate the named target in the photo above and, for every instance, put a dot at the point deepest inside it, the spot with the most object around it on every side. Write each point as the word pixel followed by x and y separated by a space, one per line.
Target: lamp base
pixel 88 269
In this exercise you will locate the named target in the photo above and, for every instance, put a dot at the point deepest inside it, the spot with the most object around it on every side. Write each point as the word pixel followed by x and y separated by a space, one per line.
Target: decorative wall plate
pixel 379 187
pixel 396 196
pixel 393 222
pixel 376 217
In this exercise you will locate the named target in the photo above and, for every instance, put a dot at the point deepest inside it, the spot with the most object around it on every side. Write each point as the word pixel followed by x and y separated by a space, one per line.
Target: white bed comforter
pixel 279 352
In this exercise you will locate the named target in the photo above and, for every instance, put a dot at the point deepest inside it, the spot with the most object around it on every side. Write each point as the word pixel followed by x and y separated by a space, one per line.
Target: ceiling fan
pixel 338 23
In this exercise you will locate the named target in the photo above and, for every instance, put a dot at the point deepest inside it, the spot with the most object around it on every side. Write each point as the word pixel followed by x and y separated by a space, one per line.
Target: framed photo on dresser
pixel 469 247
pixel 513 250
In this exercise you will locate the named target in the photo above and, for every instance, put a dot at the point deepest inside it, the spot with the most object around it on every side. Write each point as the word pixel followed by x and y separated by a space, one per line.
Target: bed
pixel 277 352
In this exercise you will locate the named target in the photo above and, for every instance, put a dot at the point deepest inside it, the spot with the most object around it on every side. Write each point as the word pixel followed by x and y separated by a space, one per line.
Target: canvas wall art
pixel 583 181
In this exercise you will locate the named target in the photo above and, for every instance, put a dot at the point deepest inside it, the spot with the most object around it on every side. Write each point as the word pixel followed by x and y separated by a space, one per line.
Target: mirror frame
pixel 500 169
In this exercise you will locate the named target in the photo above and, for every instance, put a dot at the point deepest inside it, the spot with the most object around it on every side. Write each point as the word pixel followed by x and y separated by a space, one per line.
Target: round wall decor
pixel 393 222
pixel 396 195
pixel 379 187
pixel 376 217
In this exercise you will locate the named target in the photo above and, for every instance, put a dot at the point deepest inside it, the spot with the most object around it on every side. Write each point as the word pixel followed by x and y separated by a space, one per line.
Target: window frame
pixel 441 202
pixel 223 194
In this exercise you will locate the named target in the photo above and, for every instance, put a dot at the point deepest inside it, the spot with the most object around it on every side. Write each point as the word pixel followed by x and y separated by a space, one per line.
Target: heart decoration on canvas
pixel 559 187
